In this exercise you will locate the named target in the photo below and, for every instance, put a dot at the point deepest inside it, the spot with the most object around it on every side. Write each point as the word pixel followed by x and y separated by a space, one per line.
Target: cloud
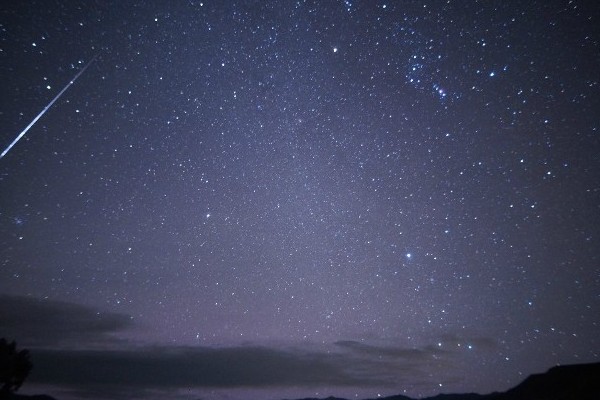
pixel 73 349
pixel 393 352
pixel 395 364
pixel 44 323
pixel 121 374
pixel 170 368
pixel 248 366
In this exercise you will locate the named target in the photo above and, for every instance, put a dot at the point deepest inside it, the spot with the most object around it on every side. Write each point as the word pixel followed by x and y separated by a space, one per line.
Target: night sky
pixel 269 199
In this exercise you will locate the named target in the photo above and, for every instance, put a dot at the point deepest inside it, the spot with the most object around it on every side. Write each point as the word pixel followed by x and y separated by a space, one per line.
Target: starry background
pixel 279 198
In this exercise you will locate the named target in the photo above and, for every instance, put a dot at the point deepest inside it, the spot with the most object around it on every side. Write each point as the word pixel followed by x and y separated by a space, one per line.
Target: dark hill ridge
pixel 569 382
pixel 580 381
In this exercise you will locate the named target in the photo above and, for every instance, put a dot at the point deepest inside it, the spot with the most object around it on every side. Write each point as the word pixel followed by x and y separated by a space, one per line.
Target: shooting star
pixel 47 107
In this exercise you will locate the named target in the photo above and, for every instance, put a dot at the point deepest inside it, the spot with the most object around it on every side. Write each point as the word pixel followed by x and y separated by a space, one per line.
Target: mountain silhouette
pixel 568 382
pixel 581 382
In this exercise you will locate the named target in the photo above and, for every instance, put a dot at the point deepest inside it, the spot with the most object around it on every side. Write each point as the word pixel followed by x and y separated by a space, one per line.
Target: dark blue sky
pixel 285 199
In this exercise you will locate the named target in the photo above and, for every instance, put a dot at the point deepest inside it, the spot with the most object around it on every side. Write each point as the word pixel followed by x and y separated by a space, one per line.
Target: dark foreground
pixel 569 382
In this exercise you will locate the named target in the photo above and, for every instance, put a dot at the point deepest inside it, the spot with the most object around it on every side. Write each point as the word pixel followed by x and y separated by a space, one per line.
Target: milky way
pixel 360 197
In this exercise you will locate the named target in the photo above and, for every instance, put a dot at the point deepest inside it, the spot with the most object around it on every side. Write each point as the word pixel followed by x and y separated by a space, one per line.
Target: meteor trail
pixel 46 108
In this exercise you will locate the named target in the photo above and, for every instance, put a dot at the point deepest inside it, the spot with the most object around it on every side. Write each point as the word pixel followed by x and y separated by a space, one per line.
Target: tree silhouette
pixel 14 367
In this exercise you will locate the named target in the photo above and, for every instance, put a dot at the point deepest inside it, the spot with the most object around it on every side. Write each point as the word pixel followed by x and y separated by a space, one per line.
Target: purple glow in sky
pixel 256 199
